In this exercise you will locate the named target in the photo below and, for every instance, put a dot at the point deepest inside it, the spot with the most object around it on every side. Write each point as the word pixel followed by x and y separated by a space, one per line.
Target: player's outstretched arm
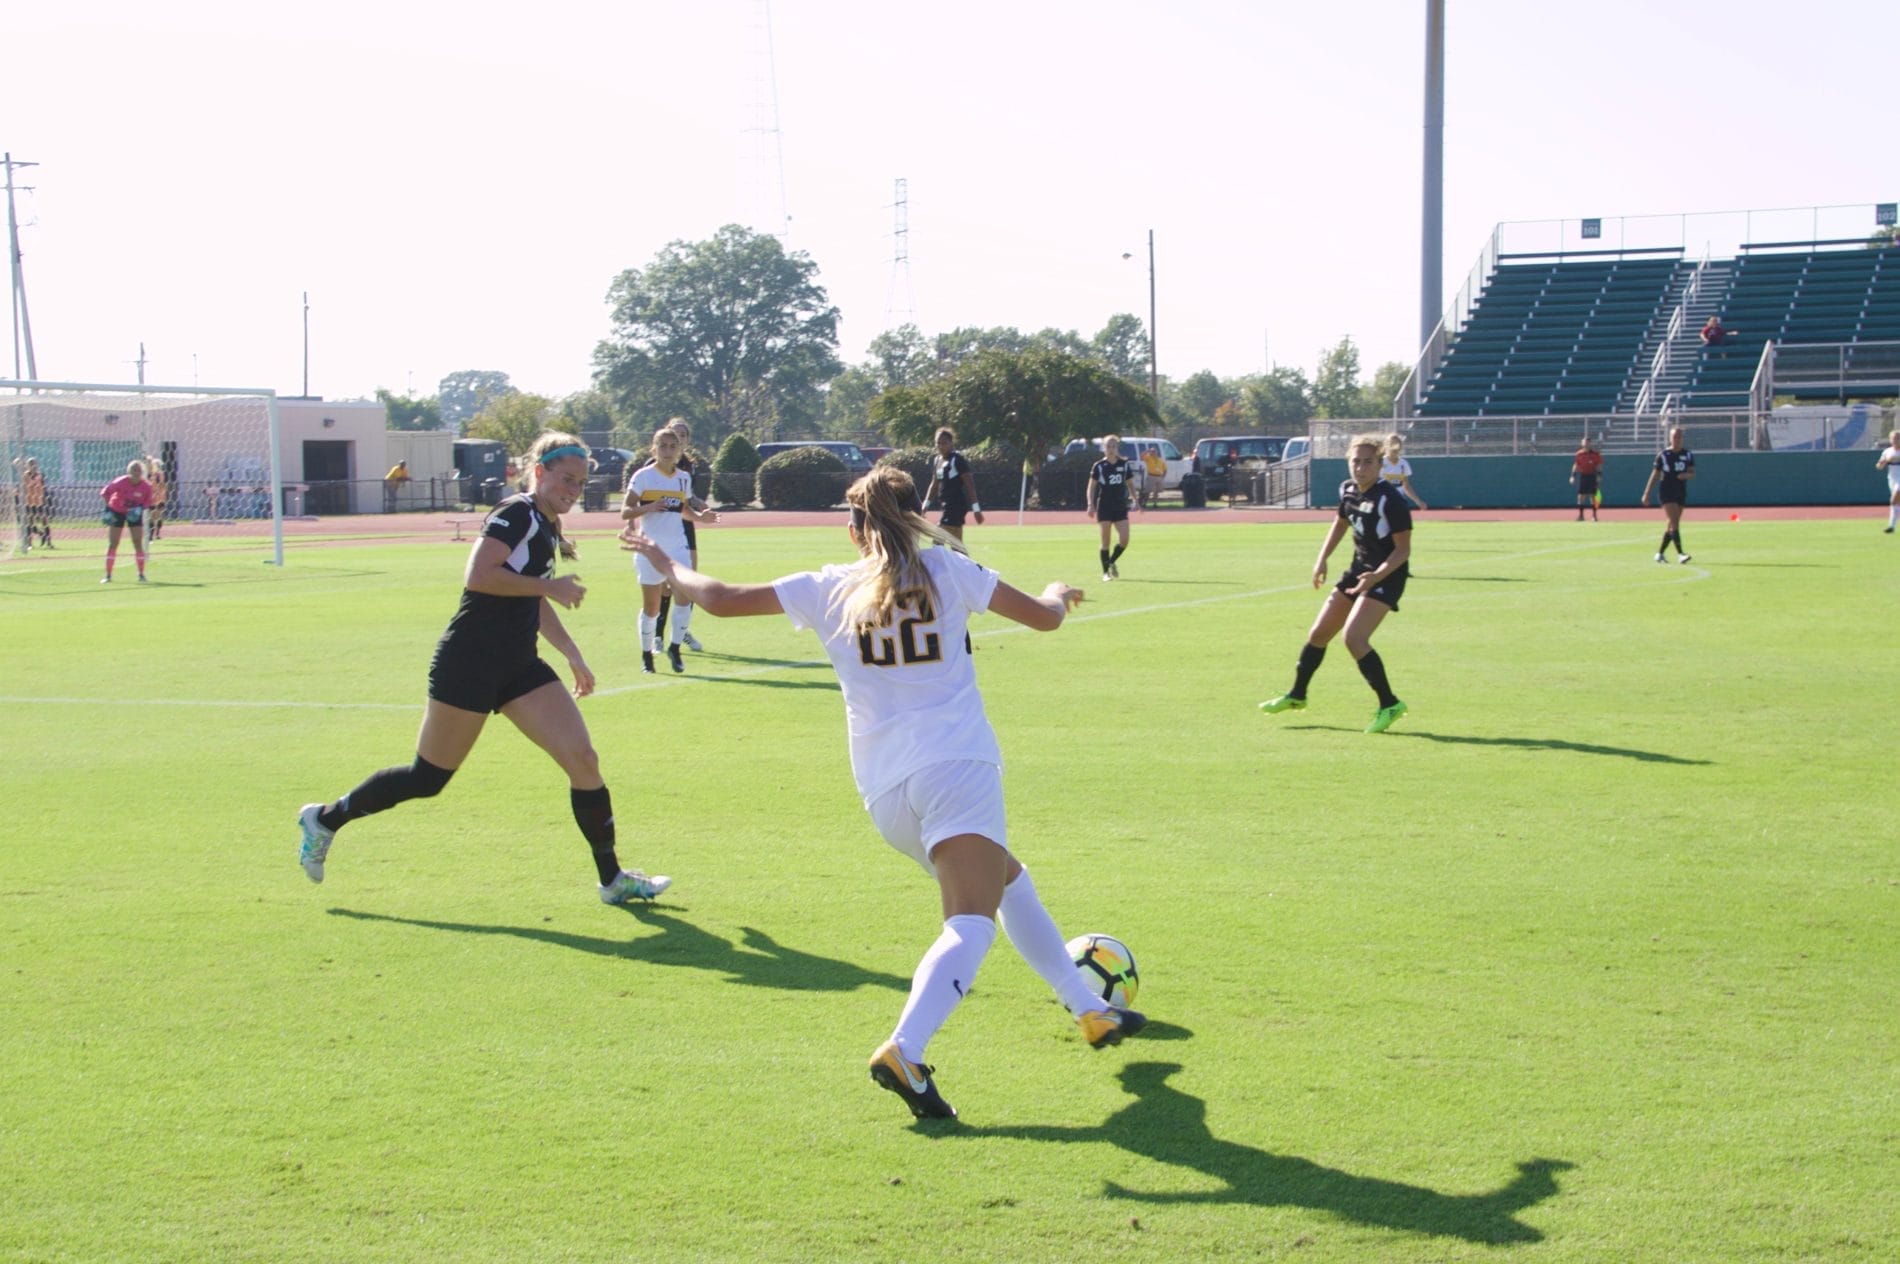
pixel 715 596
pixel 1044 613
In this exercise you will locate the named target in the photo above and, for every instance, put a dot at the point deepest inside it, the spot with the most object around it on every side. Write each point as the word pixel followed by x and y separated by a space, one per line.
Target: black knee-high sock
pixel 1667 537
pixel 594 813
pixel 1372 667
pixel 1104 559
pixel 659 624
pixel 1678 534
pixel 384 790
pixel 1116 555
pixel 1310 657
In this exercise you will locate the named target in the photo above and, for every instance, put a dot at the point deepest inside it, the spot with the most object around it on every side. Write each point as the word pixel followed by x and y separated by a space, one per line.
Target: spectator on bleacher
pixel 488 662
pixel 1585 471
pixel 392 484
pixel 1713 332
pixel 1675 466
pixel 1890 462
pixel 1397 471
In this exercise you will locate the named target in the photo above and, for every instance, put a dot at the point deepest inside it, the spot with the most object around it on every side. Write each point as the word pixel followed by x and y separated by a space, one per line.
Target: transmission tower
pixel 900 300
pixel 768 210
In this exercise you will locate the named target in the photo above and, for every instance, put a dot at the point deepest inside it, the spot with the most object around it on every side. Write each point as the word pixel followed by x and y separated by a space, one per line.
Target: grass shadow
pixel 1523 743
pixel 757 960
pixel 1168 1126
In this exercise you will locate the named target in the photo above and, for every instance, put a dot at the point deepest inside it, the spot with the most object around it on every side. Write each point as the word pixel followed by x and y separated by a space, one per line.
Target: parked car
pixel 1225 463
pixel 1298 448
pixel 874 455
pixel 1137 450
pixel 855 462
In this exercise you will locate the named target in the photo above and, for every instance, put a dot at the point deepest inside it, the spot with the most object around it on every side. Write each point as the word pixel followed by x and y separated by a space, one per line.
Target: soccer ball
pixel 1106 966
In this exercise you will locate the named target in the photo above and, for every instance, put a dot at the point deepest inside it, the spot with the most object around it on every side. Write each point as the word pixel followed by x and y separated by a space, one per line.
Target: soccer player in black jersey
pixel 1675 466
pixel 1381 524
pixel 1109 479
pixel 486 662
pixel 951 479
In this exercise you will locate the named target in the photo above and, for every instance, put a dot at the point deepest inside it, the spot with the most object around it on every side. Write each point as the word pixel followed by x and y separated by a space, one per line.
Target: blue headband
pixel 554 454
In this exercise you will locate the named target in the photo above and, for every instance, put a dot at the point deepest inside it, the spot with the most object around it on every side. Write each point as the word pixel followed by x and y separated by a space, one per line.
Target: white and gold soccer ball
pixel 1107 968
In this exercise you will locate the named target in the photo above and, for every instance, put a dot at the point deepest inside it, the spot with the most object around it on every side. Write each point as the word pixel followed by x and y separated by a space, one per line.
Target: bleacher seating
pixel 1556 337
pixel 1565 336
pixel 1799 296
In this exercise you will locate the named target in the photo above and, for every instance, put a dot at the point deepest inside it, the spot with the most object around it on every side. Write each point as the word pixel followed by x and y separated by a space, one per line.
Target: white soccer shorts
pixel 963 796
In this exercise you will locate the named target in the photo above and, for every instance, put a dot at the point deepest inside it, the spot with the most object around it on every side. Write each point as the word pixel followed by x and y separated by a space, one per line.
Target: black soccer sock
pixel 1310 658
pixel 1104 559
pixel 1116 555
pixel 1679 549
pixel 594 813
pixel 1664 546
pixel 659 623
pixel 1372 667
pixel 384 790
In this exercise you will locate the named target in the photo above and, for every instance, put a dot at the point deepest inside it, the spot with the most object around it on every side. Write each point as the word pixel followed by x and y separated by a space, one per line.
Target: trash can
pixel 1193 491
pixel 293 499
pixel 491 491
pixel 594 499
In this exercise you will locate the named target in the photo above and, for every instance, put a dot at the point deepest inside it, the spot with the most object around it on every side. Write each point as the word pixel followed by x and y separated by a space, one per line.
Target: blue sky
pixel 456 187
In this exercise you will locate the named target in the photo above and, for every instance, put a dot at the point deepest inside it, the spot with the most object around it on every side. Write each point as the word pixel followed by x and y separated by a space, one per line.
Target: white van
pixel 1137 450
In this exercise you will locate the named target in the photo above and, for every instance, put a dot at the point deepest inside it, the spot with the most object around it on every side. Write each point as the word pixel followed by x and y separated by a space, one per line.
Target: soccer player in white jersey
pixel 659 502
pixel 1889 460
pixel 926 761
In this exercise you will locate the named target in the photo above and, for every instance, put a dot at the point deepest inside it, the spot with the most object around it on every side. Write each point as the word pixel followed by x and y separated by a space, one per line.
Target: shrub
pixel 1064 482
pixel 736 456
pixel 804 478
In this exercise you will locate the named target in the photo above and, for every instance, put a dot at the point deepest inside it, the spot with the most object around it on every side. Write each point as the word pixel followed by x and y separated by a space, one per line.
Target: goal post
pixel 216 450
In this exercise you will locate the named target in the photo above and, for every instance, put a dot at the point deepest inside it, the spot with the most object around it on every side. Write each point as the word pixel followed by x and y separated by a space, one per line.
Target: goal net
pixel 211 453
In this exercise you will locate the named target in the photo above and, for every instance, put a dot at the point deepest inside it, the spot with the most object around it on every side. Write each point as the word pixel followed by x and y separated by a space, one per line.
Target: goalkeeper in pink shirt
pixel 127 497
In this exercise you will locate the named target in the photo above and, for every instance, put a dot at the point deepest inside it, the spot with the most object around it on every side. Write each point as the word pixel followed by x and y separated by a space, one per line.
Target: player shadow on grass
pixel 1525 743
pixel 1552 744
pixel 1169 1126
pixel 757 961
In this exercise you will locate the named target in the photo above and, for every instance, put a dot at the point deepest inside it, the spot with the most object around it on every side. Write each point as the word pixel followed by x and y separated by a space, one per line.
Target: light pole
pixel 1154 374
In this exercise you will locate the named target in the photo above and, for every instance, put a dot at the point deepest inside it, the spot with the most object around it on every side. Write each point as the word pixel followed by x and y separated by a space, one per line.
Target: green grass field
pixel 1594 957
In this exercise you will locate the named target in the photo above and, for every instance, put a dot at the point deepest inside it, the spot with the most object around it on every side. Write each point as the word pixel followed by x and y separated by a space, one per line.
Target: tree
pixel 1123 345
pixel 1200 395
pixel 463 394
pixel 589 414
pixel 1279 402
pixel 1375 399
pixel 910 415
pixel 1336 383
pixel 410 412
pixel 848 401
pixel 732 330
pixel 902 357
pixel 517 419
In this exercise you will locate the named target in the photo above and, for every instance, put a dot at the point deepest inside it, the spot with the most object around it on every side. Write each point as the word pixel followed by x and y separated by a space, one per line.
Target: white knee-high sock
pixel 647 623
pixel 1035 937
pixel 1893 514
pixel 942 979
pixel 682 615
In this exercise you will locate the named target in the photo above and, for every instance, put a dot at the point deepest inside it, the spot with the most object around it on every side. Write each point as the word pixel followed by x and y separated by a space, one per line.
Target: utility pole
pixel 22 323
pixel 306 344
pixel 141 363
pixel 1154 372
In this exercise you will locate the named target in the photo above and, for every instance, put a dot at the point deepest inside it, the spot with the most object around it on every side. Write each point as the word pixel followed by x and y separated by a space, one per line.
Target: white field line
pixel 1084 615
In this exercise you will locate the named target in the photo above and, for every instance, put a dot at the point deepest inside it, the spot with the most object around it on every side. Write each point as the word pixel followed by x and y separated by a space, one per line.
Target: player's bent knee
pixel 427 779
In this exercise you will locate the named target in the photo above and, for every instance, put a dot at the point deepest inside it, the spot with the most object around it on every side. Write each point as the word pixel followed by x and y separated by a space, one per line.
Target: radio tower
pixel 768 210
pixel 900 301
pixel 22 324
